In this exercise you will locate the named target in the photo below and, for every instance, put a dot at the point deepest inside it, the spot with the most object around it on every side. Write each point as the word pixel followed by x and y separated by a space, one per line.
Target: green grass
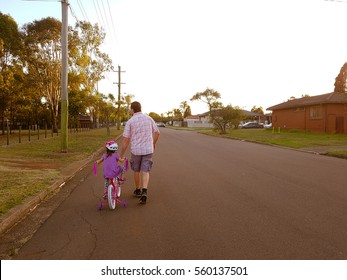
pixel 292 139
pixel 29 168
pixel 286 138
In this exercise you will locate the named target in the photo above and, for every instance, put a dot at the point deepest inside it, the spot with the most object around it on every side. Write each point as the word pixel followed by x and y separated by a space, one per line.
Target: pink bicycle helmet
pixel 112 146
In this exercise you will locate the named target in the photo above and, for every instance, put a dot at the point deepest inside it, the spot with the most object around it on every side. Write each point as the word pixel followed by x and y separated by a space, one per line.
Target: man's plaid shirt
pixel 140 129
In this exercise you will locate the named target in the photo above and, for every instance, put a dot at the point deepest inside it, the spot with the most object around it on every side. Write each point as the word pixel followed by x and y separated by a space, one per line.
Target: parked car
pixel 160 124
pixel 269 125
pixel 252 125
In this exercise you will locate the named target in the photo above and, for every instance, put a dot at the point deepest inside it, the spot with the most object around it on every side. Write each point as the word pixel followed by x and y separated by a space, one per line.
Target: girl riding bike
pixel 111 167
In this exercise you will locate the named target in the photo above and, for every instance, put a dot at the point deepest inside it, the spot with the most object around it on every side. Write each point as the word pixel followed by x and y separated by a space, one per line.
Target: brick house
pixel 321 113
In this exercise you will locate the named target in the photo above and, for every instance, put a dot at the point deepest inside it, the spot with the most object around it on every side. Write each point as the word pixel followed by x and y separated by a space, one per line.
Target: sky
pixel 253 52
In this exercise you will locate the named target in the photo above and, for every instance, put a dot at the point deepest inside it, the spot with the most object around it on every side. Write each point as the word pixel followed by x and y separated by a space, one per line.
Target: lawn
pixel 31 167
pixel 286 138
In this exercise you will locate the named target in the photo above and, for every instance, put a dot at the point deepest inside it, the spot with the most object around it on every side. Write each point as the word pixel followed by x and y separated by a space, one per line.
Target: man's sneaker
pixel 143 197
pixel 137 192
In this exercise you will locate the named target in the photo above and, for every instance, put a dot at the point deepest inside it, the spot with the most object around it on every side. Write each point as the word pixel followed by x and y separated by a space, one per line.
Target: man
pixel 142 133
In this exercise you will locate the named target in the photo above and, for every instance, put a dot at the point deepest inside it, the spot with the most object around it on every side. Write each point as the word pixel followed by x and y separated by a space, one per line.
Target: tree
pixel 226 117
pixel 87 62
pixel 43 61
pixel 127 100
pixel 210 97
pixel 258 110
pixel 156 117
pixel 177 114
pixel 340 81
pixel 186 111
pixel 10 46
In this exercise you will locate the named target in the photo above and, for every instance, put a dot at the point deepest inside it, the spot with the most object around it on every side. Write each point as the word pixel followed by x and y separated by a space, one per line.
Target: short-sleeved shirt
pixel 140 129
pixel 111 166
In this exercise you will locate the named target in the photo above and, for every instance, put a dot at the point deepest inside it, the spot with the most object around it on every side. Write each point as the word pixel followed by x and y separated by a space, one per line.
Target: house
pixel 203 120
pixel 321 113
pixel 85 121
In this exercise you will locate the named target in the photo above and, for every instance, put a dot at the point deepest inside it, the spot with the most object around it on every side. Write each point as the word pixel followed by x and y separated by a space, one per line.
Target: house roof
pixel 328 98
pixel 245 112
pixel 193 117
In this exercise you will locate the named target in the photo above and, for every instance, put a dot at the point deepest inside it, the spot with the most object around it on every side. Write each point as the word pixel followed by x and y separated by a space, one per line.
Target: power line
pixel 82 10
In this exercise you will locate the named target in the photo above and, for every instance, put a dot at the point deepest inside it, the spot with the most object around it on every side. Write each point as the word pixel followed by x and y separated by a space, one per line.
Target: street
pixel 208 198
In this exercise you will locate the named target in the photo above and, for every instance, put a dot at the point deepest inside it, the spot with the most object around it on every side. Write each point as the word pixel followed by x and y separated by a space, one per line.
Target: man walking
pixel 142 133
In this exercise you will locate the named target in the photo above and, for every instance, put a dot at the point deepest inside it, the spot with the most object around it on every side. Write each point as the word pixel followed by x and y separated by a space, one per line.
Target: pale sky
pixel 253 52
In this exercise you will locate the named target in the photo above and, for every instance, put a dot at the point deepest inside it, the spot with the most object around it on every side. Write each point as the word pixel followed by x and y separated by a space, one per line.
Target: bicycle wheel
pixel 111 197
pixel 119 190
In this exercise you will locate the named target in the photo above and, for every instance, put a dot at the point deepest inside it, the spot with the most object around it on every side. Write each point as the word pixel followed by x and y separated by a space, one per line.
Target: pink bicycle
pixel 114 190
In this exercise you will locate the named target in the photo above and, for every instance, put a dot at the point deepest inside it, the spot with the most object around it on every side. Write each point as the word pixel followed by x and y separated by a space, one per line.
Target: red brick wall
pixel 299 118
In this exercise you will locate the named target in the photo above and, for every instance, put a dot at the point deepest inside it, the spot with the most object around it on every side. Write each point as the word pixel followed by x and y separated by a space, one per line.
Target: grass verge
pixel 27 169
pixel 286 138
pixel 292 139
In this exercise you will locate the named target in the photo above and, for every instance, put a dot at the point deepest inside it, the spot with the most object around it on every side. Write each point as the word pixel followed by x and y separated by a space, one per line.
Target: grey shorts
pixel 141 163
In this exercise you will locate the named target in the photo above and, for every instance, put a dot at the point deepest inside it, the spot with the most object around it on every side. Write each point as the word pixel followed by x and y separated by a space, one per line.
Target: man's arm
pixel 156 137
pixel 125 145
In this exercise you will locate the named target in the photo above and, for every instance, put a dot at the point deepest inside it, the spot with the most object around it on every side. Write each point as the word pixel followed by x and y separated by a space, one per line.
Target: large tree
pixel 340 81
pixel 210 97
pixel 87 62
pixel 10 46
pixel 43 61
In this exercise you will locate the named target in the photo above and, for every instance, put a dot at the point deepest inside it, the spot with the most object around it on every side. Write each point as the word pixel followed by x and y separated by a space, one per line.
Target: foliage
pixel 42 56
pixel 210 97
pixel 226 117
pixel 340 81
pixel 30 72
pixel 155 116
pixel 258 110
pixel 10 46
pixel 186 111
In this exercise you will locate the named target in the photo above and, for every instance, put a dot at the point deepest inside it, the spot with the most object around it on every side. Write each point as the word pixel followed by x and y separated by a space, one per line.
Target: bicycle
pixel 114 190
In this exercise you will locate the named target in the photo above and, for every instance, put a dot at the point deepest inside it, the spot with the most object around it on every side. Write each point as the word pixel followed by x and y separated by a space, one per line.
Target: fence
pixel 33 133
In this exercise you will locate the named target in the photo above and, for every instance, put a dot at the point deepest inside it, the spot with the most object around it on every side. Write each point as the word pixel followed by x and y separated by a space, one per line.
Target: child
pixel 111 166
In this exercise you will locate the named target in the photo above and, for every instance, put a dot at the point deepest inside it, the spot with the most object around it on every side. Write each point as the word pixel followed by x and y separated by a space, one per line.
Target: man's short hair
pixel 136 106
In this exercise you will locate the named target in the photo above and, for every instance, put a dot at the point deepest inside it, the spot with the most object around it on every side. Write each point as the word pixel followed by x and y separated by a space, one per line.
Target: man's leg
pixel 145 179
pixel 135 163
pixel 137 179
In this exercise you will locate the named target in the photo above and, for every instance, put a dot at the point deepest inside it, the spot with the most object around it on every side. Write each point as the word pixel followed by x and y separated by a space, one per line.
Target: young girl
pixel 111 167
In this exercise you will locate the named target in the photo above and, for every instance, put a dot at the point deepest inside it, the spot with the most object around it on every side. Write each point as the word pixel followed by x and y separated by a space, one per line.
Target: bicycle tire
pixel 112 200
pixel 119 191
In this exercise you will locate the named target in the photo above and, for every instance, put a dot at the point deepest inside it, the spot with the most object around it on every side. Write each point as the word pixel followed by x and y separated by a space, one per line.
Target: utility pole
pixel 119 84
pixel 64 78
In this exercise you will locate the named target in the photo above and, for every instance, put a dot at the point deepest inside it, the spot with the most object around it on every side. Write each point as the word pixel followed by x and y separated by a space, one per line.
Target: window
pixel 316 112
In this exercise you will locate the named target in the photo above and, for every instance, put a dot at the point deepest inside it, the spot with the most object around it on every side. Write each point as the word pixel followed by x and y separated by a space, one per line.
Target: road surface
pixel 209 198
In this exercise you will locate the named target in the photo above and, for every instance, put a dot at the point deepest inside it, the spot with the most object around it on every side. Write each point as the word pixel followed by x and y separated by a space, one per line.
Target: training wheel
pixel 100 205
pixel 124 203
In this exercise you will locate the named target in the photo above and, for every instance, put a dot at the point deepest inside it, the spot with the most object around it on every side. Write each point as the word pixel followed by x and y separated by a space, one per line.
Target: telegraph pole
pixel 64 78
pixel 119 84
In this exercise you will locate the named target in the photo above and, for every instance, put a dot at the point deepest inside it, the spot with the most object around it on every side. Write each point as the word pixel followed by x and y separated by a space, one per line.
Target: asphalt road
pixel 209 198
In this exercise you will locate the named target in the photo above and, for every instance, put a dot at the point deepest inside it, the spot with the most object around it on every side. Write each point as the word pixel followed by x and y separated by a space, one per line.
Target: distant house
pixel 321 113
pixel 203 120
pixel 85 121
